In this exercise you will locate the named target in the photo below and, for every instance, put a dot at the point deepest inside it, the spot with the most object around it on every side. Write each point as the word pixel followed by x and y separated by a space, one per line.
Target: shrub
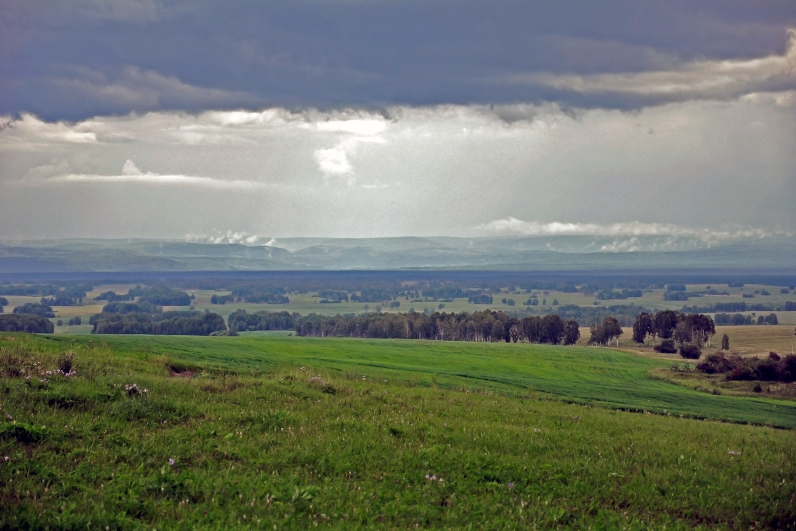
pixel 666 347
pixel 690 351
pixel 65 362
pixel 714 364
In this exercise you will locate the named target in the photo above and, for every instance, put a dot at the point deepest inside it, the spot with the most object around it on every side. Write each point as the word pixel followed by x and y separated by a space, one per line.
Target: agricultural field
pixel 273 431
pixel 305 303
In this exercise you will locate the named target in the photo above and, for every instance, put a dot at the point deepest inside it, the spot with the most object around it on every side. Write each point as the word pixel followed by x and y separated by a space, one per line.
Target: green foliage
pixel 667 346
pixel 242 320
pixel 162 296
pixel 690 351
pixel 35 308
pixel 774 368
pixel 167 323
pixel 25 322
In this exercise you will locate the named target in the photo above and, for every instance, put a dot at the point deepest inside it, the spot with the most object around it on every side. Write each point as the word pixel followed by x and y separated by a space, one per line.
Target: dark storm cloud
pixel 77 59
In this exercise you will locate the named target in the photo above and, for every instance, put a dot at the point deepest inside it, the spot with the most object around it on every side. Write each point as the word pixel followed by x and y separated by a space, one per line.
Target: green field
pixel 590 375
pixel 234 433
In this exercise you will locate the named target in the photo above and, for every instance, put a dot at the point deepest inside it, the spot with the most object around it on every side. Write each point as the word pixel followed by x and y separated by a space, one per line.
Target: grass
pixel 594 376
pixel 261 446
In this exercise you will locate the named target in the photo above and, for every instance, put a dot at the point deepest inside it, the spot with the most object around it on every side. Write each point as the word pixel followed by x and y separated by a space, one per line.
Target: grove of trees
pixel 26 322
pixel 35 308
pixel 166 323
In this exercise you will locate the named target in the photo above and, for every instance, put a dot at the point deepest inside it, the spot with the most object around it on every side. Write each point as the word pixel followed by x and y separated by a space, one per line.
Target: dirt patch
pixel 182 374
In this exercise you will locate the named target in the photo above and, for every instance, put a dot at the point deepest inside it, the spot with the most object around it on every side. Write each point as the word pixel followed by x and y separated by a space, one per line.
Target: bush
pixel 666 347
pixel 690 351
pixel 75 321
pixel 714 364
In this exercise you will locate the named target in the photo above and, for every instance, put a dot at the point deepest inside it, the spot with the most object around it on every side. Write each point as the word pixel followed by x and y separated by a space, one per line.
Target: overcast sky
pixel 354 118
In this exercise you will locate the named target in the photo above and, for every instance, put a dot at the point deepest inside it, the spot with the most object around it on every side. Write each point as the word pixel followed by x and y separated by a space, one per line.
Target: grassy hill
pixel 595 376
pixel 291 433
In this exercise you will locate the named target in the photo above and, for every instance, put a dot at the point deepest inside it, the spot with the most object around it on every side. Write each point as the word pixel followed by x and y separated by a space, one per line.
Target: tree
pixel 498 332
pixel 682 333
pixel 530 328
pixel 725 342
pixel 571 332
pixel 552 329
pixel 611 329
pixel 642 327
pixel 665 322
pixel 35 308
pixel 514 332
pixel 597 335
pixel 771 319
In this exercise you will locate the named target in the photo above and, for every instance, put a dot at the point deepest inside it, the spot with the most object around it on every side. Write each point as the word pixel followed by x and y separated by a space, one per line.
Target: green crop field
pixel 276 432
pixel 590 375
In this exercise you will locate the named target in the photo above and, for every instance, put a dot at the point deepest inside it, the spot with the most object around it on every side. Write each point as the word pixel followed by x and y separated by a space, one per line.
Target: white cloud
pixel 131 174
pixel 29 128
pixel 334 161
pixel 231 237
pixel 632 230
pixel 357 127
pixel 698 79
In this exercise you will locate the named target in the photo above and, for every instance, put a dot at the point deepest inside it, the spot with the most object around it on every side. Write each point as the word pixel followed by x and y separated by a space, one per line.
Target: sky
pixel 372 118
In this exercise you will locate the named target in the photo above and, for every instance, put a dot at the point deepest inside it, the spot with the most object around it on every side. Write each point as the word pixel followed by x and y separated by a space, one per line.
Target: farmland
pixel 233 432
pixel 309 301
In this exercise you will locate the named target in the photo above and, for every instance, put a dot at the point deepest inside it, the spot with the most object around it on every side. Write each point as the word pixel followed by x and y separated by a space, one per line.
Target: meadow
pixel 279 432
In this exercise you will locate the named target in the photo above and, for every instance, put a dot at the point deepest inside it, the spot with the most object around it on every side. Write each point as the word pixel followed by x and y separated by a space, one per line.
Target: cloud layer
pixel 694 80
pixel 688 168
pixel 73 60
pixel 131 174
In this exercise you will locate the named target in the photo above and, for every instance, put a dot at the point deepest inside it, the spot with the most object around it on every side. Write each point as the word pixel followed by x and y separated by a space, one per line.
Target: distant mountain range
pixel 520 253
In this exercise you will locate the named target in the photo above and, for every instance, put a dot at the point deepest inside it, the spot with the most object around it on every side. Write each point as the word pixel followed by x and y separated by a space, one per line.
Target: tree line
pixel 482 326
pixel 166 323
pixel 26 322
pixel 738 319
